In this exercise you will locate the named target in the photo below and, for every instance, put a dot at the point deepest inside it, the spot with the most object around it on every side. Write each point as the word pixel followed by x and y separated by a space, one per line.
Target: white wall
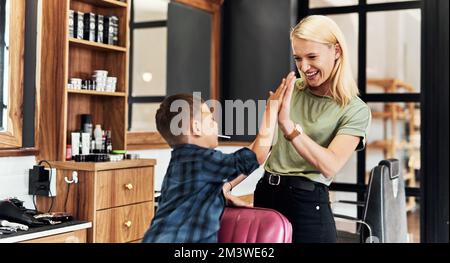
pixel 14 178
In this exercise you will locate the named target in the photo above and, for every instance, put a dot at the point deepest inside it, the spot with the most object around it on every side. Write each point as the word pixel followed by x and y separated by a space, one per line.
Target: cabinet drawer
pixel 123 187
pixel 123 224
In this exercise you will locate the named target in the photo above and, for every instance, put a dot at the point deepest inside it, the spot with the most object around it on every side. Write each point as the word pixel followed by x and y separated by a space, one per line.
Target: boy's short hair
pixel 164 116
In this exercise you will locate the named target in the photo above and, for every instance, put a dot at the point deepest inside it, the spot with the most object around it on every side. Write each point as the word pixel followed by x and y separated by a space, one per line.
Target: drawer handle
pixel 128 224
pixel 129 186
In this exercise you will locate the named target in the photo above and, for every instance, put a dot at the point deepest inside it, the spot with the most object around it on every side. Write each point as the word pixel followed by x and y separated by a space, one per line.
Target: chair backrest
pixel 385 208
pixel 254 225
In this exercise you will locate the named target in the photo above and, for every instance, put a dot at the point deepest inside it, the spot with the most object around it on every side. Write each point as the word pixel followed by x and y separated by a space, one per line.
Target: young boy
pixel 192 200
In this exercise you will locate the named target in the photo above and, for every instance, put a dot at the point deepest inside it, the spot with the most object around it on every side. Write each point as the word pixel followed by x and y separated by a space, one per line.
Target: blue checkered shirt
pixel 192 200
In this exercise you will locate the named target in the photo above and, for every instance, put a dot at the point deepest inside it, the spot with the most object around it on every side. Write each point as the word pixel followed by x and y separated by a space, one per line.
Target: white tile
pixel 14 178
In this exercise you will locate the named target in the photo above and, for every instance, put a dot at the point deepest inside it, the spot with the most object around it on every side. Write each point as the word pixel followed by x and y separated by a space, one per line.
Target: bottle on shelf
pixel 103 149
pixel 86 124
pixel 108 142
pixel 98 138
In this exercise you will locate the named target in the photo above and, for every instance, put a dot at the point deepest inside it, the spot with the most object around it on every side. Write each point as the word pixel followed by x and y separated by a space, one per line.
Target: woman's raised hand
pixel 276 98
pixel 284 118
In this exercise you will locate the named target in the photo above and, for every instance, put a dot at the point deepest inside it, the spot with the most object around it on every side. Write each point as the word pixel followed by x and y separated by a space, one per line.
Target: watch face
pixel 299 128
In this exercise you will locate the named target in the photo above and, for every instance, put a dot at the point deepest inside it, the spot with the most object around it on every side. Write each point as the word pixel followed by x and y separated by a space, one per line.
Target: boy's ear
pixel 196 127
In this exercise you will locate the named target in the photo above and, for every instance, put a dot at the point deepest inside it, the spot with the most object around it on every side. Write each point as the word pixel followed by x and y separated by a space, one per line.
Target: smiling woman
pixel 12 26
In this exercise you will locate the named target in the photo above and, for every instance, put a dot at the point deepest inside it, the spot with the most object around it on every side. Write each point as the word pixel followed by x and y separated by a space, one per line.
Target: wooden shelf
pixel 401 115
pixel 386 144
pixel 106 3
pixel 97 93
pixel 408 176
pixel 95 45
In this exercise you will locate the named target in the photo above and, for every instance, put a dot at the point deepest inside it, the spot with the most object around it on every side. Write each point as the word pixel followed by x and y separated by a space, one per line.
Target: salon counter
pixel 68 232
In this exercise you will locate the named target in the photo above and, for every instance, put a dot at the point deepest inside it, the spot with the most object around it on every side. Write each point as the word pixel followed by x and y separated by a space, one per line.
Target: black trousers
pixel 307 209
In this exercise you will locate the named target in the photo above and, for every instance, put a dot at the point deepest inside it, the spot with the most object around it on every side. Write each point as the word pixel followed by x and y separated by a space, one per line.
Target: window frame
pixel 11 138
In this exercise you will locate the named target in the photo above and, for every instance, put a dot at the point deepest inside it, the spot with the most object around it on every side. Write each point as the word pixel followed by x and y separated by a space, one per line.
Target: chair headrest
pixel 394 167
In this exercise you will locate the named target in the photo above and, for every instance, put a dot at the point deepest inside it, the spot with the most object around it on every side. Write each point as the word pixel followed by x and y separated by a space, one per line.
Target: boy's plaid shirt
pixel 192 201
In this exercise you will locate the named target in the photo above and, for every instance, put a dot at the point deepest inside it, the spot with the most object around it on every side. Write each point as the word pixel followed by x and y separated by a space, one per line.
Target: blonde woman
pixel 322 121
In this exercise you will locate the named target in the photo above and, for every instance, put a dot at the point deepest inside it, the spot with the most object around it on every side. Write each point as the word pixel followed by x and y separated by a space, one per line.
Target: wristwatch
pixel 296 132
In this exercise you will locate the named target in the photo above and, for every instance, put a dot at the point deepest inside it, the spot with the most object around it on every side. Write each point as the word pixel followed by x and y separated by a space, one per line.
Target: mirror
pixel 4 62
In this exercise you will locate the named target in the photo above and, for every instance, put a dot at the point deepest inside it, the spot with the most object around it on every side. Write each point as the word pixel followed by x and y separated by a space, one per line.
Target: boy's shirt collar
pixel 188 146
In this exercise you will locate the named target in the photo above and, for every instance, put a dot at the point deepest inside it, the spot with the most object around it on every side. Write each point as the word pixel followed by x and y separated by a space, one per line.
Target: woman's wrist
pixel 287 127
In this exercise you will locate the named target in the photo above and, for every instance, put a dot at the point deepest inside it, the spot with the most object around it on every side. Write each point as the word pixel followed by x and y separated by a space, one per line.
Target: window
pixel 384 38
pixel 331 3
pixel 396 57
pixel 148 63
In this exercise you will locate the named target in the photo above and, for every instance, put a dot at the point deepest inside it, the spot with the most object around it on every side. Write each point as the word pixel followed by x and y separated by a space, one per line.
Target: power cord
pixel 44 189
pixel 67 197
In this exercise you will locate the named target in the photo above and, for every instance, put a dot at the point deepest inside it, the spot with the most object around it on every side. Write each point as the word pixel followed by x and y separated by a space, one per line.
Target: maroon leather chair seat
pixel 254 225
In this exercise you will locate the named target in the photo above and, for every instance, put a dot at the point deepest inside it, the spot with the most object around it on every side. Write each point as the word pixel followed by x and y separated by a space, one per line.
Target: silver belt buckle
pixel 276 176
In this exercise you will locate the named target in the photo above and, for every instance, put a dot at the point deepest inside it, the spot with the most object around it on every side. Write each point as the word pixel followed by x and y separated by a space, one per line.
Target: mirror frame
pixel 152 139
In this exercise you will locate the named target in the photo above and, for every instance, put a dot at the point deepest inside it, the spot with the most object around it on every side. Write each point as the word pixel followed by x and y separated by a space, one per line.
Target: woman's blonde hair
pixel 324 30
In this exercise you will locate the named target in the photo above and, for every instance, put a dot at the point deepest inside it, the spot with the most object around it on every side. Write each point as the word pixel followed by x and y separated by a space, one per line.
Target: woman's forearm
pixel 263 141
pixel 324 159
pixel 318 156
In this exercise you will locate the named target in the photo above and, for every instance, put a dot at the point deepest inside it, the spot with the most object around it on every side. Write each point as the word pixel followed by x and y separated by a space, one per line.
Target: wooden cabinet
pixel 117 197
pixel 78 236
pixel 64 57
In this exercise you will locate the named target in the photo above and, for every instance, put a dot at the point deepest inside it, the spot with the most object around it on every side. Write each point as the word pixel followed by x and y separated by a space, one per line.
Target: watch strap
pixel 293 134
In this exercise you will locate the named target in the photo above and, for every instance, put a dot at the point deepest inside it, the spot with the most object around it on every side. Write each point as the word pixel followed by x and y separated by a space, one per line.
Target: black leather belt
pixel 299 182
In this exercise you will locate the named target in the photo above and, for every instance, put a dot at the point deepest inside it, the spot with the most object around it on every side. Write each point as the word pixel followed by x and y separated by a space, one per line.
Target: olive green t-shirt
pixel 321 118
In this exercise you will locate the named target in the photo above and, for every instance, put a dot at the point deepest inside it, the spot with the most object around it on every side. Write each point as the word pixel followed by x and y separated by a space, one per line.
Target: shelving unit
pixel 395 113
pixel 117 197
pixel 67 58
